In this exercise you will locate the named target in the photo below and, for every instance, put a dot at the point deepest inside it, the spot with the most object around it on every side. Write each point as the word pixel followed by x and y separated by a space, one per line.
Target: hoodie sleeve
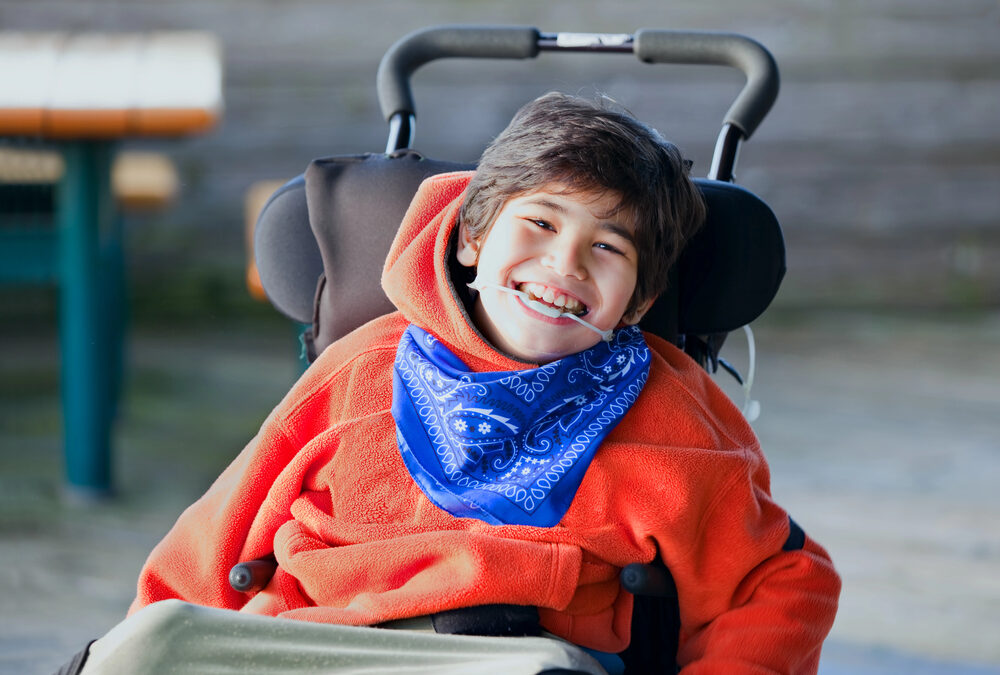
pixel 753 599
pixel 765 594
pixel 233 522
pixel 236 519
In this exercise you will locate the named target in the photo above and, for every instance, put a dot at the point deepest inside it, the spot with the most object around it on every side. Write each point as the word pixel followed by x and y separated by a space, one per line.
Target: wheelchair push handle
pixel 724 49
pixel 441 42
pixel 520 42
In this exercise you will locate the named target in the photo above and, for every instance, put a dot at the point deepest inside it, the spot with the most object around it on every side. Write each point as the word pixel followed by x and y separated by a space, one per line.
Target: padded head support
pixel 333 226
pixel 321 241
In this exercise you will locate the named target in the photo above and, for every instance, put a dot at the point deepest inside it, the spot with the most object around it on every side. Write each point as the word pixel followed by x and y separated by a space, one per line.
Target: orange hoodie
pixel 324 487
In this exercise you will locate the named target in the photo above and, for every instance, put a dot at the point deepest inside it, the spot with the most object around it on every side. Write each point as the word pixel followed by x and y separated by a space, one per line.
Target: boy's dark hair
pixel 590 146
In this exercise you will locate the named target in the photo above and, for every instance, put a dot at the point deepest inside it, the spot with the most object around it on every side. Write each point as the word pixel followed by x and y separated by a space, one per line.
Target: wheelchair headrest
pixel 321 240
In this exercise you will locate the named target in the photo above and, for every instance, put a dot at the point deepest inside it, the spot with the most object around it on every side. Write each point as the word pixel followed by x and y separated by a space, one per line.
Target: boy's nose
pixel 566 260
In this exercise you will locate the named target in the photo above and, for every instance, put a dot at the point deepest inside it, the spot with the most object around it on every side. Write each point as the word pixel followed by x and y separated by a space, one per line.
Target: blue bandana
pixel 510 447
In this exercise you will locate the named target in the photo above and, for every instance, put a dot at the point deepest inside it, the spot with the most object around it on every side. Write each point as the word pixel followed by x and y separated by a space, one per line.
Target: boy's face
pixel 567 249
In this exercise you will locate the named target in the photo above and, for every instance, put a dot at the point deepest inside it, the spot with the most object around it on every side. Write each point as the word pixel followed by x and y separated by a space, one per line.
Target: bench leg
pixel 91 336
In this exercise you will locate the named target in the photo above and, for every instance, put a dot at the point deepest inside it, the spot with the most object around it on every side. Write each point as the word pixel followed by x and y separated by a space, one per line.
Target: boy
pixel 510 436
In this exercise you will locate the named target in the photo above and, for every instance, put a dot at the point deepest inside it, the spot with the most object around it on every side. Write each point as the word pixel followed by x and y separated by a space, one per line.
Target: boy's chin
pixel 544 350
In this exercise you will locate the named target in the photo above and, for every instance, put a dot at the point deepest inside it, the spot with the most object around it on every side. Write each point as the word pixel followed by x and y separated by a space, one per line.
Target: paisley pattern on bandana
pixel 510 447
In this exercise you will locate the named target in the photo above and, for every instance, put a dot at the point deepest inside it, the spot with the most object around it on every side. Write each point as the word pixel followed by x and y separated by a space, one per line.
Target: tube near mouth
pixel 542 308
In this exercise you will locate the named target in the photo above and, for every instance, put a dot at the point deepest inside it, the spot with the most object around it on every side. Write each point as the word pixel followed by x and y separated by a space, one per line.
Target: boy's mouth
pixel 548 309
pixel 553 298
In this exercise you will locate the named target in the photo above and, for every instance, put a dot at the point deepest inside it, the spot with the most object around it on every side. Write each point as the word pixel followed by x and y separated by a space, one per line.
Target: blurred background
pixel 878 363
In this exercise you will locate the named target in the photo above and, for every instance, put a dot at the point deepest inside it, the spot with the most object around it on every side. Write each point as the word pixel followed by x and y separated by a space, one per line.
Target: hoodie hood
pixel 417 277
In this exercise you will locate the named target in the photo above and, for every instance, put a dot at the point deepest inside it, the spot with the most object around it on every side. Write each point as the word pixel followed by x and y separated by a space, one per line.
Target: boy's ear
pixel 634 317
pixel 467 250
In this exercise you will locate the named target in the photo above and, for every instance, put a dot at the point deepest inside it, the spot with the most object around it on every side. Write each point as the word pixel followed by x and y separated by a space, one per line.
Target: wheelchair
pixel 321 238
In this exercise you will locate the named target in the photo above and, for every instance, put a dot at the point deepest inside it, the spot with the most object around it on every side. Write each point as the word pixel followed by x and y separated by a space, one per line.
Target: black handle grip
pixel 728 49
pixel 643 579
pixel 521 42
pixel 428 44
pixel 252 575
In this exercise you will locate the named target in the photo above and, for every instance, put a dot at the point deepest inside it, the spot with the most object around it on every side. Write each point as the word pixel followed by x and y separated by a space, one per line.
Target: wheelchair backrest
pixel 321 240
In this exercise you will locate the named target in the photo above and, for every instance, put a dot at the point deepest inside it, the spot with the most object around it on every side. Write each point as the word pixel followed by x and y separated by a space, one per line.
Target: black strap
pixel 796 537
pixel 491 620
pixel 75 664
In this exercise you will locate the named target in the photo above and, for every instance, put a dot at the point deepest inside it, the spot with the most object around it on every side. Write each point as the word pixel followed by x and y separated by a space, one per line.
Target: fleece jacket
pixel 323 487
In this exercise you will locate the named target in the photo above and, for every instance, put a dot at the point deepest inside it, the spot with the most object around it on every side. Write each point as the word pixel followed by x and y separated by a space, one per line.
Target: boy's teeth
pixel 539 292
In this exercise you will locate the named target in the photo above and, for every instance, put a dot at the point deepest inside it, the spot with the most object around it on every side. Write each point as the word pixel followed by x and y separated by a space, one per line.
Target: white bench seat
pixel 102 86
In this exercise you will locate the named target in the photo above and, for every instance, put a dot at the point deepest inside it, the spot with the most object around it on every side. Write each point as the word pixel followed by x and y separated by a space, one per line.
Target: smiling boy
pixel 569 250
pixel 595 202
pixel 510 436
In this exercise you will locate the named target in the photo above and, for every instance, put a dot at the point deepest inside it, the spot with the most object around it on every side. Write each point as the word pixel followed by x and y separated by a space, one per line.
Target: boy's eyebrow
pixel 616 228
pixel 609 225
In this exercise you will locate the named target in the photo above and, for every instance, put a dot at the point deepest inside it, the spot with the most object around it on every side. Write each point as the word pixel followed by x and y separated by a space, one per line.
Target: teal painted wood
pixel 90 321
pixel 76 241
pixel 27 253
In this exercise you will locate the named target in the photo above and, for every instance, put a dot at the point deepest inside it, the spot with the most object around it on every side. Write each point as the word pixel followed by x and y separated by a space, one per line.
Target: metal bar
pixel 586 42
pixel 402 128
pixel 726 151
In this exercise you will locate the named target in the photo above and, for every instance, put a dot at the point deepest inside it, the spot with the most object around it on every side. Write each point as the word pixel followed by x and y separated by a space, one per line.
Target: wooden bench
pixel 80 96
pixel 141 183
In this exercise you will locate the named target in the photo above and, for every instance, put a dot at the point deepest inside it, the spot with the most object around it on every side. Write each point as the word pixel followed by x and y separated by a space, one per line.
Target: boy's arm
pixel 747 604
pixel 772 618
pixel 231 523
pixel 235 521
pixel 781 614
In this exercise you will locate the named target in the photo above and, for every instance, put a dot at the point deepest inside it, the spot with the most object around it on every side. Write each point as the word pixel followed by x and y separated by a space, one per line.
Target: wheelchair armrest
pixel 252 575
pixel 637 578
pixel 649 580
pixel 656 618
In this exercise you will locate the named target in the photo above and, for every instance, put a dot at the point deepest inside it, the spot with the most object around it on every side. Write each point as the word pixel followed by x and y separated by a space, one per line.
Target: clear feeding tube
pixel 542 308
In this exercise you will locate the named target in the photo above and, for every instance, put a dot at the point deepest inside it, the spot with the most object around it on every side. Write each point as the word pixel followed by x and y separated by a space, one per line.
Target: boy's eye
pixel 608 247
pixel 542 223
